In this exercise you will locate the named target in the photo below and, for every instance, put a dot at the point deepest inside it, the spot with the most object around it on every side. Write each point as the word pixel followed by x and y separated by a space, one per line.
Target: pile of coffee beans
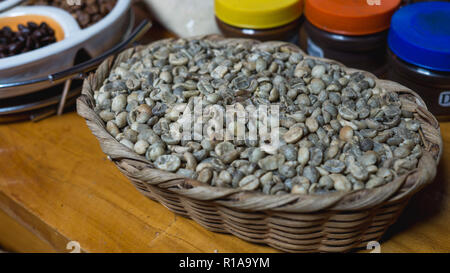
pixel 87 13
pixel 337 131
pixel 28 37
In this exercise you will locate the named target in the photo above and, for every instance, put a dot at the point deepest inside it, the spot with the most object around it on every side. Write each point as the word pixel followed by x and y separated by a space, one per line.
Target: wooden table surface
pixel 57 186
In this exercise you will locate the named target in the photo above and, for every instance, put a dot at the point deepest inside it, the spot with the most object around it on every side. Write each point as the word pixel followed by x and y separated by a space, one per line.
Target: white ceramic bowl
pixel 60 56
pixel 109 31
pixel 28 65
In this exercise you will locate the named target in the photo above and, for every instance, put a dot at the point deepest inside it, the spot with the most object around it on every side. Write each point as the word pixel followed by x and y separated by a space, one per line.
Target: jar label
pixel 444 99
pixel 313 49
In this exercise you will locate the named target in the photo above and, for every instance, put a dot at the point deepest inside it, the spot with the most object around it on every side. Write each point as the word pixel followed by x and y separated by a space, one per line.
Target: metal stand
pixel 62 102
pixel 68 97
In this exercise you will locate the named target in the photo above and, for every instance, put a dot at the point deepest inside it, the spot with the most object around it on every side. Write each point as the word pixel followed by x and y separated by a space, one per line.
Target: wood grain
pixel 58 186
pixel 57 183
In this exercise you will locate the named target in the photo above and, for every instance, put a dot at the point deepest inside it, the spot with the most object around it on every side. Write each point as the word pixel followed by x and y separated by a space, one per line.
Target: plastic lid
pixel 258 14
pixel 420 35
pixel 351 17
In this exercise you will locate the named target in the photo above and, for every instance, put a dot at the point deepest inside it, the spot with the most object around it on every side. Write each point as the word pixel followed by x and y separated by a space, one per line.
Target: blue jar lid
pixel 420 35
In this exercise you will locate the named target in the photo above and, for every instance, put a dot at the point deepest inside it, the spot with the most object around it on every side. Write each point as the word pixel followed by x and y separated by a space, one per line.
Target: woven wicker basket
pixel 334 222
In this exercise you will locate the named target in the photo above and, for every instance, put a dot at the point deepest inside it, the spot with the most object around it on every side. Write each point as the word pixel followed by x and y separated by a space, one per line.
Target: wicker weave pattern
pixel 334 222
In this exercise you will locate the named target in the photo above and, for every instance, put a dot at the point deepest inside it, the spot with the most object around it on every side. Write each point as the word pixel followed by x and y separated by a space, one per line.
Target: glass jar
pixel 260 19
pixel 351 32
pixel 419 53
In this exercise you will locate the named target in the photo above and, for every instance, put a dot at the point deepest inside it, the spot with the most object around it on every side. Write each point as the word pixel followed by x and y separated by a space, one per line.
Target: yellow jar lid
pixel 258 14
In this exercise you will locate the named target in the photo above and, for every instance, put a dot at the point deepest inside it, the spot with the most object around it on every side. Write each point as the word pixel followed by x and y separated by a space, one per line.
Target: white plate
pixel 59 56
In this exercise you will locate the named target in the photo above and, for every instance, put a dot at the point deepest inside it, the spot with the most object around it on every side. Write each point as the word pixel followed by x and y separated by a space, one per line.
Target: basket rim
pixel 138 169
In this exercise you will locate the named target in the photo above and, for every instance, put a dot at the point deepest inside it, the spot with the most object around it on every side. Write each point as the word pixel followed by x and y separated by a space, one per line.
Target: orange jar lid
pixel 351 17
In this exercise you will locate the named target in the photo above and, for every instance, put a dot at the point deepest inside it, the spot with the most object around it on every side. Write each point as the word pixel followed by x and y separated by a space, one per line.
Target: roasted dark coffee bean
pixel 86 14
pixel 23 29
pixel 32 25
pixel 27 37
